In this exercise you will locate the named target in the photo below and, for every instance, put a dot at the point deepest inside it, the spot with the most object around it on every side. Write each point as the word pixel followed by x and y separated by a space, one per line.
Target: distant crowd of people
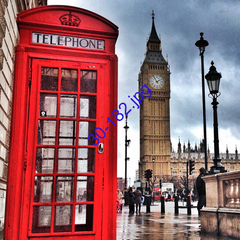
pixel 201 192
pixel 135 198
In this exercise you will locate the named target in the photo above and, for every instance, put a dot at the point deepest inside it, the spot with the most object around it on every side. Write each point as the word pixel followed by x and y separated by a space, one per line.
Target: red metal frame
pixel 35 115
pixel 29 58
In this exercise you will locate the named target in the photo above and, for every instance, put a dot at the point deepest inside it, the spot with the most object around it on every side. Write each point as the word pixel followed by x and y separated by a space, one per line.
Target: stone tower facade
pixel 155 143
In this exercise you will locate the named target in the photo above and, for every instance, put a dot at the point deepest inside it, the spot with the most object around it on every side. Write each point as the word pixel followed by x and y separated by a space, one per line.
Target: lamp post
pixel 127 143
pixel 202 44
pixel 213 81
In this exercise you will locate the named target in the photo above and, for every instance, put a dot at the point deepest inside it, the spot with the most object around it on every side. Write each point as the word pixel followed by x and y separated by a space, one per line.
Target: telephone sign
pixel 62 184
pixel 68 41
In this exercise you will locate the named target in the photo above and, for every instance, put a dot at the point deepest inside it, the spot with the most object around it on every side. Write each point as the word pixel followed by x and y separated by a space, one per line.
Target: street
pixel 157 226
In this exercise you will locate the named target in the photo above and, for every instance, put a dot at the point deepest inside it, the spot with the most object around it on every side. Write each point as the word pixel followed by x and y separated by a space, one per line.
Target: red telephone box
pixel 63 154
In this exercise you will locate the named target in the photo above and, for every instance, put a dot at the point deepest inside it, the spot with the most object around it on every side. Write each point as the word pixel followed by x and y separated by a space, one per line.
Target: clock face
pixel 156 81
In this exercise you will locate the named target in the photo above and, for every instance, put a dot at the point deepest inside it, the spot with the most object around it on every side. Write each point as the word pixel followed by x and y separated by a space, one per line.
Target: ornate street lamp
pixel 213 81
pixel 202 44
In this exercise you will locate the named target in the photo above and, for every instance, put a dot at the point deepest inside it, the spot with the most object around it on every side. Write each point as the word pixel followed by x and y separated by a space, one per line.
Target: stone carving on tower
pixel 155 143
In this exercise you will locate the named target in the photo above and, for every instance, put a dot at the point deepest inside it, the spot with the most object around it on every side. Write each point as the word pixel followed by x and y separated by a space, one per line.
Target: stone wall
pixel 9 37
pixel 221 216
pixel 8 40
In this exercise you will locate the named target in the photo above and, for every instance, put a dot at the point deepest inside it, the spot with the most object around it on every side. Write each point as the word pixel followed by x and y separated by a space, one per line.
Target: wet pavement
pixel 158 226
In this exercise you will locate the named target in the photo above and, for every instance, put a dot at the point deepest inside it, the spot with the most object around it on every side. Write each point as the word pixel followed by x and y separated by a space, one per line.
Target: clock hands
pixel 156 79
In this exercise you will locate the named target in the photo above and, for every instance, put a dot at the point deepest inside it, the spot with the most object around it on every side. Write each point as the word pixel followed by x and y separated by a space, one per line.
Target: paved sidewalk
pixel 157 226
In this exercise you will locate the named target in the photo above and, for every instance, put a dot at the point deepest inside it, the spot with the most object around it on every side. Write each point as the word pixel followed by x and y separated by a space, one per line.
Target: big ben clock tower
pixel 155 143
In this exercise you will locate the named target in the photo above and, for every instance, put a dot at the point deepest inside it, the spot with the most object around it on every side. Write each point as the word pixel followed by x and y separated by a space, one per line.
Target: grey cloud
pixel 179 25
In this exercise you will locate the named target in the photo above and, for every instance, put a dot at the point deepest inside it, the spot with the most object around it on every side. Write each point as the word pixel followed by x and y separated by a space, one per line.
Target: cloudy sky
pixel 179 24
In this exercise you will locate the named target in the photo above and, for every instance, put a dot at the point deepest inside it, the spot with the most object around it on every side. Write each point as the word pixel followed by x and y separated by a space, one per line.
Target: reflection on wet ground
pixel 157 226
pixel 154 226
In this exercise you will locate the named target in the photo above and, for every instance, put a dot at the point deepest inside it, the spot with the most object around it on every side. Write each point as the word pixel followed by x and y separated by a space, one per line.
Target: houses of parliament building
pixel 155 142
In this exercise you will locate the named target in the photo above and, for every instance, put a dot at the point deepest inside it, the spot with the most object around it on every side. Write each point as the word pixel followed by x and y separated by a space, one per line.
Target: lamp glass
pixel 213 80
pixel 202 48
pixel 213 85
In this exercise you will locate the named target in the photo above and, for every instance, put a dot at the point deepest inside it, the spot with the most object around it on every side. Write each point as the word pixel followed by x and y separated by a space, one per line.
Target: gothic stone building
pixel 155 144
pixel 155 141
pixel 179 159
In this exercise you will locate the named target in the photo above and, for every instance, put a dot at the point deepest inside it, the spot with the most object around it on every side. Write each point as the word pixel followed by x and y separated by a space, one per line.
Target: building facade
pixel 9 37
pixel 178 164
pixel 155 144
pixel 178 161
pixel 120 183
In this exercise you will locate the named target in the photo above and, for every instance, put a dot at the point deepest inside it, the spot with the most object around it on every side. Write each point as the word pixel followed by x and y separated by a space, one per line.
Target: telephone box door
pixel 64 170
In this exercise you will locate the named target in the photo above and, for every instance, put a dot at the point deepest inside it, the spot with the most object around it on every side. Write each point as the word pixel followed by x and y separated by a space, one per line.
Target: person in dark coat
pixel 138 200
pixel 131 200
pixel 200 184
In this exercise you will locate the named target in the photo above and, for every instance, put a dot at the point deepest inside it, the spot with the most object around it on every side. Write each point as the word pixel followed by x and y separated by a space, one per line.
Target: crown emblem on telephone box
pixel 70 20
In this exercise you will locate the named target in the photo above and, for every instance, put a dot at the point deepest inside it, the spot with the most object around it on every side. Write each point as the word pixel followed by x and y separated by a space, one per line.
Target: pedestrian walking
pixel 138 200
pixel 200 184
pixel 131 200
